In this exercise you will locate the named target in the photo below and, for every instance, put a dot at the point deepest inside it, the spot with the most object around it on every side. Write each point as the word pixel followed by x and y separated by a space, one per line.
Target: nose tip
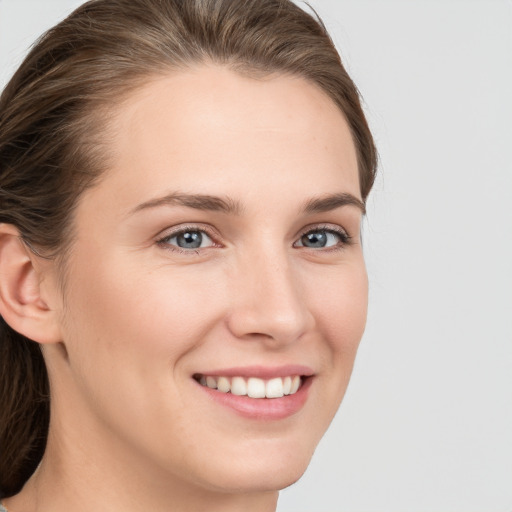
pixel 268 305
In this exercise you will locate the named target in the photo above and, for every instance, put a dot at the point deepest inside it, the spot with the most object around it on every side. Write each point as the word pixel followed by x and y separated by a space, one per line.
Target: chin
pixel 283 479
pixel 266 473
pixel 269 481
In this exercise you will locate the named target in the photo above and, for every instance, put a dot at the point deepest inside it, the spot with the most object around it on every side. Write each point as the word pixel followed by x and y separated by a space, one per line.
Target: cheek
pixel 340 308
pixel 128 331
pixel 130 307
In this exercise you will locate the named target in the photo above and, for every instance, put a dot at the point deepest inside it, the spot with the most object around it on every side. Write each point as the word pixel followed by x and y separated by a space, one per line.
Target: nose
pixel 268 301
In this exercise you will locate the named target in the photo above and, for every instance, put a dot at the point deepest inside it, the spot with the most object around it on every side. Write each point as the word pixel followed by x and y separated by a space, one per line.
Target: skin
pixel 138 318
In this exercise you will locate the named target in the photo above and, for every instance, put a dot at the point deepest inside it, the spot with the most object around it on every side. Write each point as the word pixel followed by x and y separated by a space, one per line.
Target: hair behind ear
pixel 24 408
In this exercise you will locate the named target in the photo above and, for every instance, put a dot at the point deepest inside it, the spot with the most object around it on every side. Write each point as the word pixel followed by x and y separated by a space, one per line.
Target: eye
pixel 187 239
pixel 323 238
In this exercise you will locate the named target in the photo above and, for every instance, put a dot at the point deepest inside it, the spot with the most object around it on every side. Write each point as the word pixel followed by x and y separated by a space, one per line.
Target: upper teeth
pixel 253 387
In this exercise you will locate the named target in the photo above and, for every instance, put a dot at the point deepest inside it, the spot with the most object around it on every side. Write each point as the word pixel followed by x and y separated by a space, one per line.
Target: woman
pixel 182 285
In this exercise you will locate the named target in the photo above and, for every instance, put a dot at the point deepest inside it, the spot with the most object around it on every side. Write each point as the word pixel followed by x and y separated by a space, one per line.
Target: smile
pixel 253 387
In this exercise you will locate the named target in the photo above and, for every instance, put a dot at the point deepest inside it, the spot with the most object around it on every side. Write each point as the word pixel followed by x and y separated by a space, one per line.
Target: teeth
pixel 238 386
pixel 223 385
pixel 256 388
pixel 274 388
pixel 253 387
pixel 295 385
pixel 287 385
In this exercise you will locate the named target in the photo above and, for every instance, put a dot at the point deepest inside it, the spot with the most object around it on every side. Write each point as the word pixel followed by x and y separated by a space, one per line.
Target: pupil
pixel 318 239
pixel 190 240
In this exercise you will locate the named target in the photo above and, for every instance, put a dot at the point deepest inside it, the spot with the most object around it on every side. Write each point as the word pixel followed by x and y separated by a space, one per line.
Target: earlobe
pixel 22 305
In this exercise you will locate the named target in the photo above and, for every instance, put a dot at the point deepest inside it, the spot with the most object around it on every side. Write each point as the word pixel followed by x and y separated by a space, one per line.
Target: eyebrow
pixel 196 201
pixel 232 207
pixel 333 201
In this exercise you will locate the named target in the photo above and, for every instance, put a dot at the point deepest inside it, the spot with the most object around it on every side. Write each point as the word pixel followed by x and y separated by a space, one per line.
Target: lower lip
pixel 266 409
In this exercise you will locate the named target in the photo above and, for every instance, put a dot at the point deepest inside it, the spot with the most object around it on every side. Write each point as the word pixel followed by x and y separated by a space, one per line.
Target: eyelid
pixel 162 238
pixel 345 238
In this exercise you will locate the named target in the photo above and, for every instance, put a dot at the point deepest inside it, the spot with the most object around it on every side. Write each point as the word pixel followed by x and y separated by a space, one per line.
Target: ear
pixel 22 302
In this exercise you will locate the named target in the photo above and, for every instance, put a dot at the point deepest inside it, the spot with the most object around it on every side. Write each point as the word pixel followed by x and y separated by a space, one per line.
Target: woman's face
pixel 221 249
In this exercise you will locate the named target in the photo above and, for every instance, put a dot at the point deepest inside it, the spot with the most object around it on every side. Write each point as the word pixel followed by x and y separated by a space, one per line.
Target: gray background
pixel 426 425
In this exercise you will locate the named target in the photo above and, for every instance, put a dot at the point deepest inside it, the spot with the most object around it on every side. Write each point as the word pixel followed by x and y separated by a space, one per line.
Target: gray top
pixel 2 508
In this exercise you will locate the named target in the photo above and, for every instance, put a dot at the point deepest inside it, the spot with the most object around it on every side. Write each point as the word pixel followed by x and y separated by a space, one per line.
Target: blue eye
pixel 322 238
pixel 190 239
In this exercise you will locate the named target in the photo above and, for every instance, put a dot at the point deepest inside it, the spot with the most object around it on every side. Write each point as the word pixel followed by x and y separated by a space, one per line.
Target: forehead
pixel 209 130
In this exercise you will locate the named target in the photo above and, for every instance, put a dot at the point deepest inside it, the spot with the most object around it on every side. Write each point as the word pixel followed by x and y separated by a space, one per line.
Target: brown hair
pixel 51 149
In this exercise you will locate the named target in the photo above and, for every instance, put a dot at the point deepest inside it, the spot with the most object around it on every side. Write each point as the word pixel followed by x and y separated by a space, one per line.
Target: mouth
pixel 258 393
pixel 253 387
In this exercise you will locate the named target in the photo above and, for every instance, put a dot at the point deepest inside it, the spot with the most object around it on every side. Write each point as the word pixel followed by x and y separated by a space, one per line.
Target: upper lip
pixel 262 372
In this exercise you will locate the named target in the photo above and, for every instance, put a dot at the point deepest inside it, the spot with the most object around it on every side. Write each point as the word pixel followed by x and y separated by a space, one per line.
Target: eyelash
pixel 164 241
pixel 344 237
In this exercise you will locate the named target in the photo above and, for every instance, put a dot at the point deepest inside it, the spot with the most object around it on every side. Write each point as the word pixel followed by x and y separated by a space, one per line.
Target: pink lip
pixel 263 409
pixel 261 372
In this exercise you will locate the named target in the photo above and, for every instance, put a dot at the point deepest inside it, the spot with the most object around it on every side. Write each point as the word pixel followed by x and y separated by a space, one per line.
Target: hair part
pixel 54 115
